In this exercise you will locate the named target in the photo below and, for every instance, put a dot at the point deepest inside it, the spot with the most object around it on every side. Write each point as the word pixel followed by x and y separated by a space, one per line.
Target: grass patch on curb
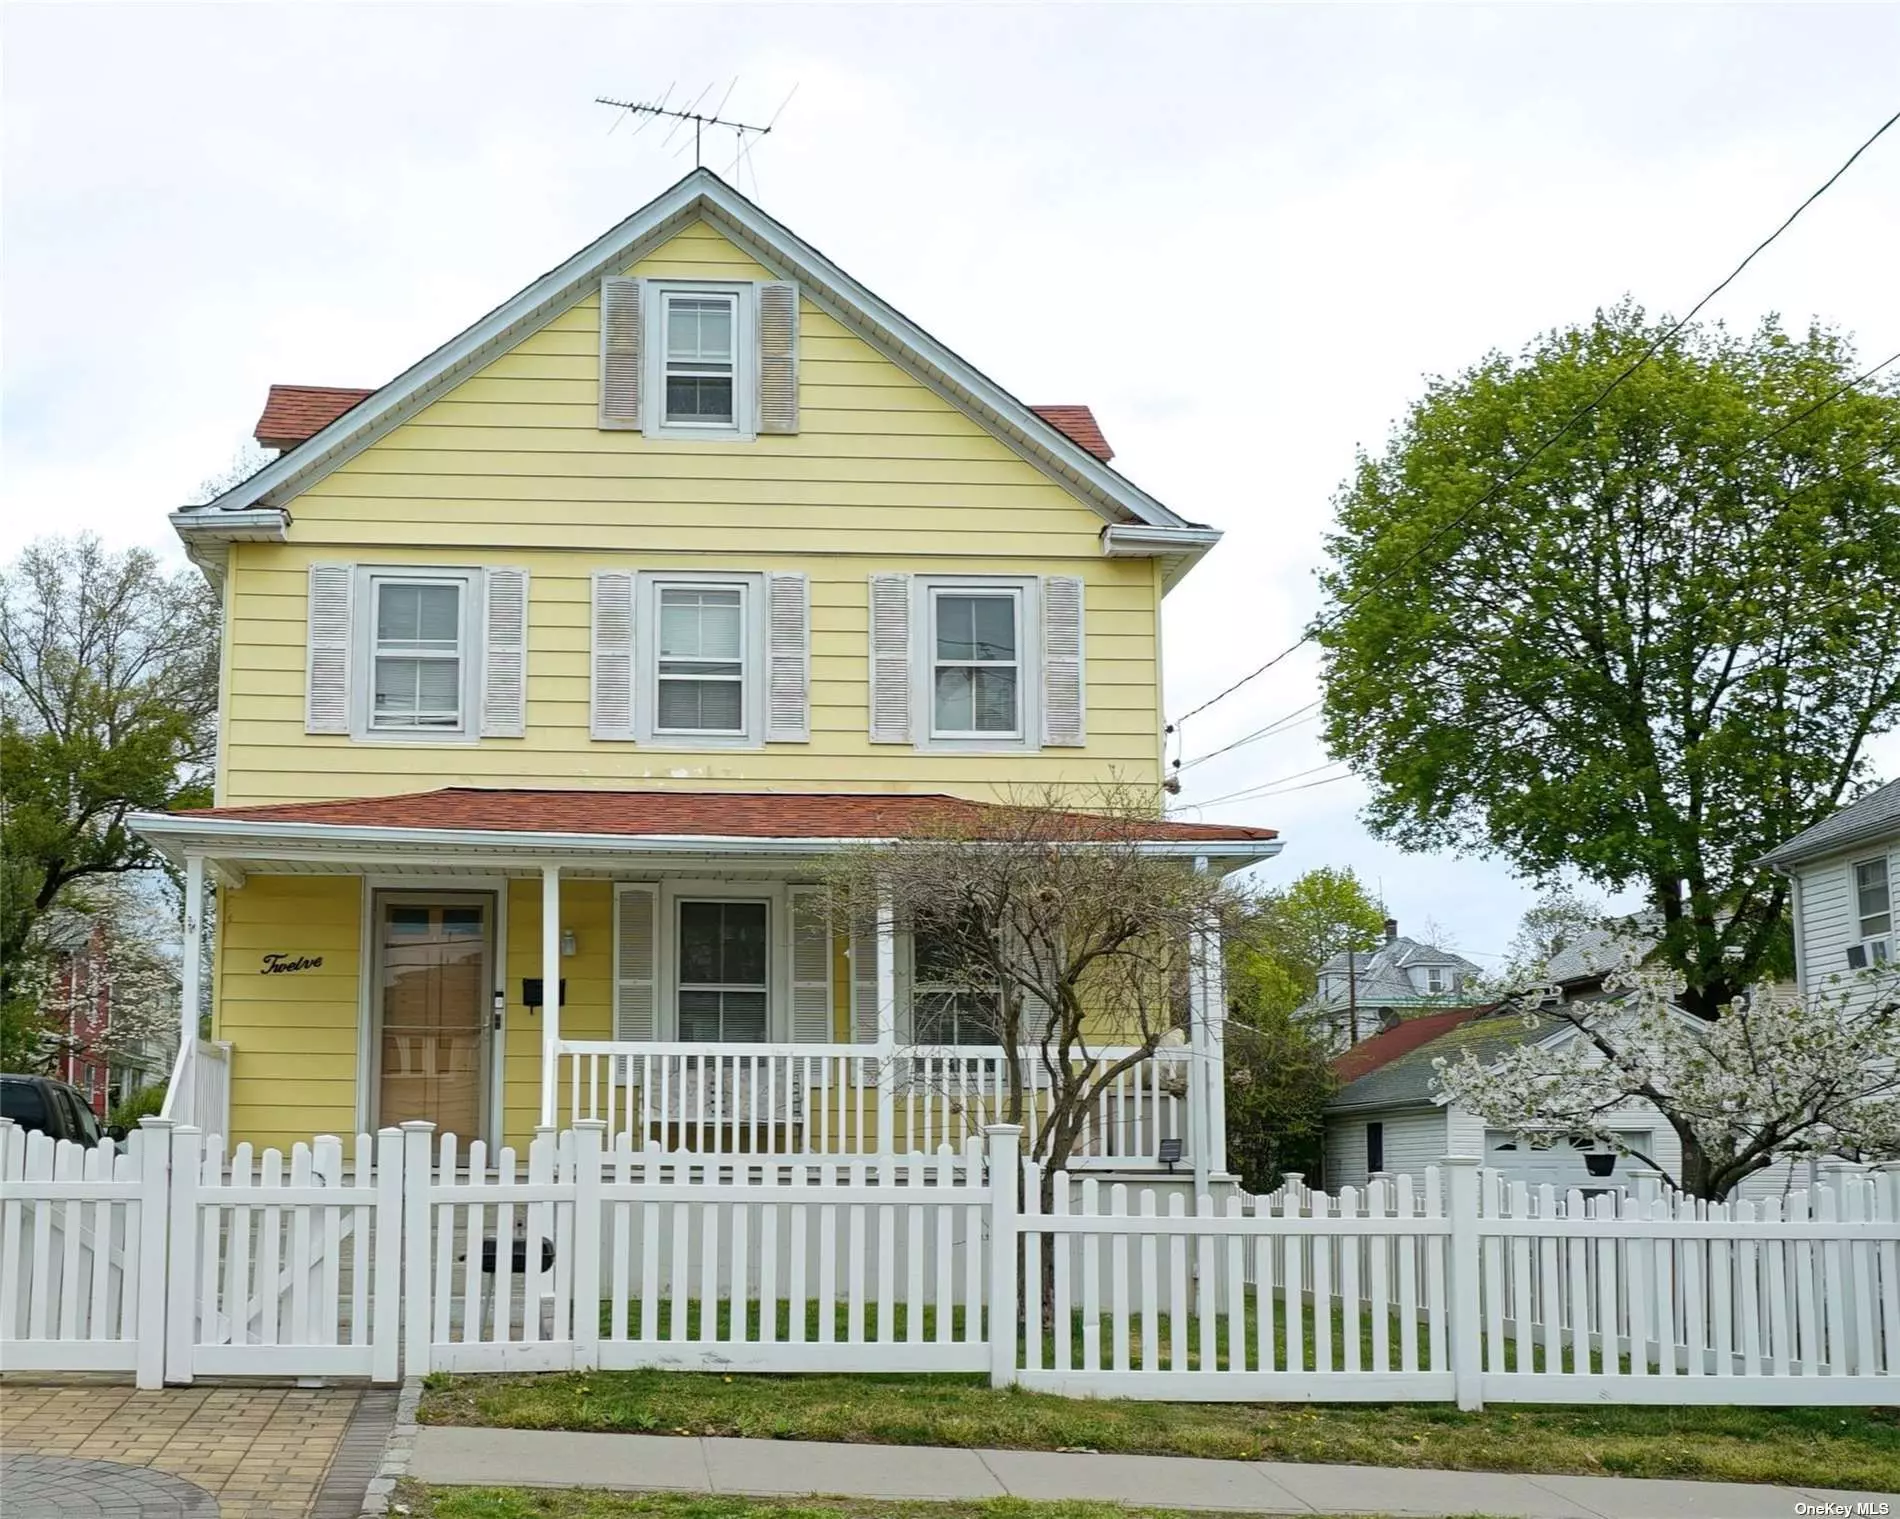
pixel 526 1503
pixel 1806 1447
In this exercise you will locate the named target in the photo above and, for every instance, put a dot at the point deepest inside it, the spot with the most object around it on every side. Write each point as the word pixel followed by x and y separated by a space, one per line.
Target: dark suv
pixel 43 1105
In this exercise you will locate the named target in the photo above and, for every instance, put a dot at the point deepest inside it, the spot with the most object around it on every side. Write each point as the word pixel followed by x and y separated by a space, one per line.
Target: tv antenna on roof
pixel 743 132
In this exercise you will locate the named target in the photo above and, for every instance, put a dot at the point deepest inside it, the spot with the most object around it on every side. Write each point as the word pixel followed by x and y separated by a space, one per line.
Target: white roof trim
pixel 700 193
pixel 239 838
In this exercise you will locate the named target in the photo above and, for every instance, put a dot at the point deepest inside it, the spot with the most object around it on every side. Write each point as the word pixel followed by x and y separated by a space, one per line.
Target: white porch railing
pixel 852 1099
pixel 199 1092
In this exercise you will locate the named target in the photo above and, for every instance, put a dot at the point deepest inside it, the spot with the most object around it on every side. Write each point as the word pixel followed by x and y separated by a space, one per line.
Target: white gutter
pixel 205 835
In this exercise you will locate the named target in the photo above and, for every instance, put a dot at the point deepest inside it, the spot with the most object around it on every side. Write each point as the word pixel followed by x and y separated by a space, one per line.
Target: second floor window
pixel 1873 898
pixel 416 665
pixel 700 353
pixel 976 664
pixel 701 673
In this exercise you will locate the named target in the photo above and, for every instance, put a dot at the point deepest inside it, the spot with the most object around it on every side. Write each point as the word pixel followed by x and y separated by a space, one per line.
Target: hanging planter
pixel 1600 1165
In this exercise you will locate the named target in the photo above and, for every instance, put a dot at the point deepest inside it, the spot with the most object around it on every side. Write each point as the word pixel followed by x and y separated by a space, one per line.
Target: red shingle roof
pixel 1383 1049
pixel 295 412
pixel 764 815
pixel 1079 423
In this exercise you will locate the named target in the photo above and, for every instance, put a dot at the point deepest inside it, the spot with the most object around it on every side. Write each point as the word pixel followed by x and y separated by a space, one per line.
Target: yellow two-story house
pixel 553 668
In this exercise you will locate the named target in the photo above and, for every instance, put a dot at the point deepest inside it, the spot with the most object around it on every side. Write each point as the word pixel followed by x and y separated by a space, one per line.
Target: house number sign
pixel 286 965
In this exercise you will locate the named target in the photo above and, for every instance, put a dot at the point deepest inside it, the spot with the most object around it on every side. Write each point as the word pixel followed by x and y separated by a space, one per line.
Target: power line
pixel 1293 719
pixel 1262 787
pixel 1583 411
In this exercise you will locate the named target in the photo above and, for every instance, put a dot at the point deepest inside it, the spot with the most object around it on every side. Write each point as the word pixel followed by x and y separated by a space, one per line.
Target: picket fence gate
pixel 169 1259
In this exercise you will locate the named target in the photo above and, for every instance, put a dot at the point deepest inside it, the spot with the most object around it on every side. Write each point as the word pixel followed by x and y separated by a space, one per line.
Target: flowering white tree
pixel 135 974
pixel 1772 1075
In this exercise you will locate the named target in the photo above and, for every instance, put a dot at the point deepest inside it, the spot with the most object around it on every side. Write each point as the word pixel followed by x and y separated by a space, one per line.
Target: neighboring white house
pixel 1362 992
pixel 1388 1116
pixel 1844 872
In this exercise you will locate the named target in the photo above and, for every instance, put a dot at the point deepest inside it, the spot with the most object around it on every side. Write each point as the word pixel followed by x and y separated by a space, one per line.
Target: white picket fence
pixel 171 1260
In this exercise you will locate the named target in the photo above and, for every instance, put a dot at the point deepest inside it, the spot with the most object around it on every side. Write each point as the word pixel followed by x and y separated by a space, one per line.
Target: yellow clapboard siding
pixel 510 468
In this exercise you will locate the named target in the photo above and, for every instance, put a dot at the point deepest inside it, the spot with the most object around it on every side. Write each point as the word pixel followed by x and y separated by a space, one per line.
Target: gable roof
pixel 1874 816
pixel 293 413
pixel 1381 976
pixel 1404 1079
pixel 255 507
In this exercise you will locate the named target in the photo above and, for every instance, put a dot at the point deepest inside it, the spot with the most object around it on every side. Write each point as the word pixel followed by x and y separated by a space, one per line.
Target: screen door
pixel 433 1007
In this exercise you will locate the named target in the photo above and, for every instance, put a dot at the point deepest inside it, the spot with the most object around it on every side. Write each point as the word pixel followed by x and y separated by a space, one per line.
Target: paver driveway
pixel 201 1452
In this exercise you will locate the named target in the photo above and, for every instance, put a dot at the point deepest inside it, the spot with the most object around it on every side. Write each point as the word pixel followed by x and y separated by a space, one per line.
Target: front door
pixel 433 1001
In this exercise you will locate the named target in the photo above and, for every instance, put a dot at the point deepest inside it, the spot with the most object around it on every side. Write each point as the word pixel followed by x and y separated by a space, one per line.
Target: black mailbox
pixel 531 991
pixel 519 1255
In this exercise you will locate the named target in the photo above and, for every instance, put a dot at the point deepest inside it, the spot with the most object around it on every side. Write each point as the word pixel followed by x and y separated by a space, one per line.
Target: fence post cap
pixel 417 1126
pixel 997 1129
pixel 1459 1160
pixel 151 1121
pixel 588 1123
pixel 390 1129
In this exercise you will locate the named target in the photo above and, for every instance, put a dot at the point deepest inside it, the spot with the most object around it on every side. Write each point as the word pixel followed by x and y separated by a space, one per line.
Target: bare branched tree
pixel 1059 934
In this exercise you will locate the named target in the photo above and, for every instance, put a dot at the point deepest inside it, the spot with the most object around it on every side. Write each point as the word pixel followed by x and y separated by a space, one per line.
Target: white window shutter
pixel 611 697
pixel 890 659
pixel 1036 1014
pixel 1064 708
pixel 778 357
pixel 621 352
pixel 787 659
pixel 811 965
pixel 864 983
pixel 505 654
pixel 326 707
pixel 636 975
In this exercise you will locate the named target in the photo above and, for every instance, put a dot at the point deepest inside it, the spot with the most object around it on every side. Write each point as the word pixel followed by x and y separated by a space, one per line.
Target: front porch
pixel 689 990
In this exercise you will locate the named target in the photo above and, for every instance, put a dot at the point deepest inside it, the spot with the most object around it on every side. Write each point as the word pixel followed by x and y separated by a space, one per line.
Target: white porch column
pixel 550 986
pixel 191 958
pixel 1203 1049
pixel 886 1021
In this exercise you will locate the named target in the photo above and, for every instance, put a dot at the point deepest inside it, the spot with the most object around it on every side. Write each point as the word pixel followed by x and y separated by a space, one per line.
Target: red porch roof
pixel 672 814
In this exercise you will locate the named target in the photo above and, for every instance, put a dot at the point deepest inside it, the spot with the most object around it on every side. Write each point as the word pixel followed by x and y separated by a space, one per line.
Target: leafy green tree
pixel 1645 655
pixel 108 705
pixel 1279 1078
pixel 1288 932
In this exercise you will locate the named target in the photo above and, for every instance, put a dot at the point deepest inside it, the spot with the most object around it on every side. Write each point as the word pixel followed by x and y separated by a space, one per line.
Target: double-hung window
pixel 723 989
pixel 417 658
pixel 1873 902
pixel 976 663
pixel 950 1002
pixel 701 676
pixel 700 358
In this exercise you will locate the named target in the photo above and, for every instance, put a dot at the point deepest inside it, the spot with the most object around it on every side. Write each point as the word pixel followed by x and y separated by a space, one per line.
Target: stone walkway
pixel 201 1452
pixel 787 1468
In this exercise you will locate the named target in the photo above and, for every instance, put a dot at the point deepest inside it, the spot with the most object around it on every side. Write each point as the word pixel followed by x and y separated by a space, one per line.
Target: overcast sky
pixel 1243 235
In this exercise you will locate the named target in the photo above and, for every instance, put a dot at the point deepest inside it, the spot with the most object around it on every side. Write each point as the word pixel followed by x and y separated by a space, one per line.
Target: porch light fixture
pixel 570 945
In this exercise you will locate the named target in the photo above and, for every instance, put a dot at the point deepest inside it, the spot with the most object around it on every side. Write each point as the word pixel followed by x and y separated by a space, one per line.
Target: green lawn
pixel 1846 1447
pixel 521 1503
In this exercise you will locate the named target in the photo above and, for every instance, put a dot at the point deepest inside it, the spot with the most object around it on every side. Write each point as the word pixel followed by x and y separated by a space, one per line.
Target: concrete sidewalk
pixel 790 1468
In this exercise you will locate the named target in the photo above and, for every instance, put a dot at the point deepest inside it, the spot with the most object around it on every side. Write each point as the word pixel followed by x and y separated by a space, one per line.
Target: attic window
pixel 699 359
